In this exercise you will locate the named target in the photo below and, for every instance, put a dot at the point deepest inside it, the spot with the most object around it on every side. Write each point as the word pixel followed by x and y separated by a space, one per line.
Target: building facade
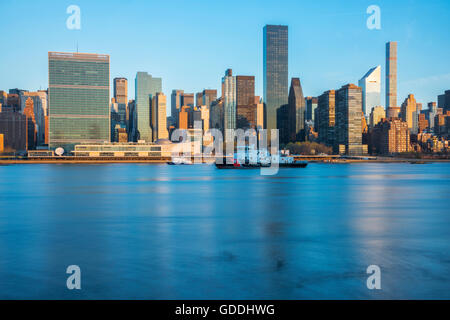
pixel 229 99
pixel 275 72
pixel 78 99
pixel 159 117
pixel 296 111
pixel 146 87
pixel 327 118
pixel 348 120
pixel 391 75
pixel 370 84
pixel 376 115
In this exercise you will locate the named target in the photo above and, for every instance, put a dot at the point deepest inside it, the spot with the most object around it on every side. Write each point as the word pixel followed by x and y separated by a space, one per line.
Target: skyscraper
pixel 229 98
pixel 175 104
pixel 275 65
pixel 376 115
pixel 209 95
pixel 370 84
pixel 391 75
pixel 159 117
pixel 408 110
pixel 348 120
pixel 121 90
pixel 245 102
pixel 78 99
pixel 327 117
pixel 311 105
pixel 296 112
pixel 146 88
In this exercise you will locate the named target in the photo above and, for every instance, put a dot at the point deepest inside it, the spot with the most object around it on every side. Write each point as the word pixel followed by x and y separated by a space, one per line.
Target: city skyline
pixel 318 70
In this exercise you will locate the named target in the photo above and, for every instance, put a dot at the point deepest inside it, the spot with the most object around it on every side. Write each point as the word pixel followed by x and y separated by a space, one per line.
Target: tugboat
pixel 253 159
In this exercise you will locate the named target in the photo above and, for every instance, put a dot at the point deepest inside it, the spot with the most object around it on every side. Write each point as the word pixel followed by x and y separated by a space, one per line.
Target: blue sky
pixel 191 43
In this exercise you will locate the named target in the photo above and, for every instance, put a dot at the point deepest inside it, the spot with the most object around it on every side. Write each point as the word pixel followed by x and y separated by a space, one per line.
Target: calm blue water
pixel 195 232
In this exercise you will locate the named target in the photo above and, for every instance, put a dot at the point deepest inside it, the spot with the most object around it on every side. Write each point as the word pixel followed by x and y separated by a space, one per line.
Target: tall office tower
pixel 326 107
pixel 229 99
pixel 131 126
pixel 311 105
pixel 216 114
pixel 430 114
pixel 199 99
pixel 444 101
pixel 146 88
pixel 209 95
pixel 176 100
pixel 283 123
pixel 409 107
pixel 348 120
pixel 159 116
pixel 13 127
pixel 40 111
pixel 275 71
pixel 188 99
pixel 259 113
pixel 183 116
pixel 376 115
pixel 370 84
pixel 31 126
pixel 121 90
pixel 391 75
pixel 245 102
pixel 296 113
pixel 78 99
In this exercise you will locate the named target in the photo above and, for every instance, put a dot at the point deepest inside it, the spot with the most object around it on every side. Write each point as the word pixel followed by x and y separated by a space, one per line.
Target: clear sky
pixel 190 43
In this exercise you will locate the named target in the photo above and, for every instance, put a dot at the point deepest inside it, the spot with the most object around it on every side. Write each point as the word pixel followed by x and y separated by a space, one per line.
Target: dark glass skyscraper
pixel 275 72
pixel 146 87
pixel 78 99
pixel 296 111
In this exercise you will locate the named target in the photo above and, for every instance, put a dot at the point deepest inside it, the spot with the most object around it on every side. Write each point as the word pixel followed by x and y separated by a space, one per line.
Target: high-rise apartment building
pixel 370 84
pixel 390 136
pixel 158 117
pixel 348 120
pixel 296 111
pixel 408 109
pixel 327 117
pixel 146 87
pixel 229 99
pixel 275 71
pixel 78 99
pixel 391 75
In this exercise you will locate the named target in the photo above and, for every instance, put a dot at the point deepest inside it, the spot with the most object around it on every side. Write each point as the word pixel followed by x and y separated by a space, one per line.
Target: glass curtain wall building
pixel 275 71
pixel 78 99
pixel 146 88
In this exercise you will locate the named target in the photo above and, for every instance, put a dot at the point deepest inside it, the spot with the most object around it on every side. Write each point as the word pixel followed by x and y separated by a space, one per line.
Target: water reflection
pixel 157 231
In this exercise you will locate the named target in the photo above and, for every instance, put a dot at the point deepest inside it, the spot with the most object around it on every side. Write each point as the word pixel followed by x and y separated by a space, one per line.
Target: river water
pixel 141 231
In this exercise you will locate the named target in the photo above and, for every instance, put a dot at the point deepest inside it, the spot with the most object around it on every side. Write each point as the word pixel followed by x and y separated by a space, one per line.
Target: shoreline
pixel 164 161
